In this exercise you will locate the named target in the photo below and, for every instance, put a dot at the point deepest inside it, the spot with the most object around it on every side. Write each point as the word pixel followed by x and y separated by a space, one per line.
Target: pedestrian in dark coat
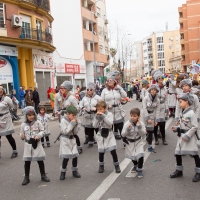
pixel 36 99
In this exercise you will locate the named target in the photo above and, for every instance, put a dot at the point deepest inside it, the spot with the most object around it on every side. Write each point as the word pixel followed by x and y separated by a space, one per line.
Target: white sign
pixel 6 75
pixel 82 69
pixel 60 68
pixel 8 51
pixel 41 61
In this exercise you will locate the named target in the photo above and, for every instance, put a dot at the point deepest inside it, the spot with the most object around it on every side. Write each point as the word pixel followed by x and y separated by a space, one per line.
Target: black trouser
pixel 139 163
pixel 149 137
pixel 113 153
pixel 47 139
pixel 28 164
pixel 90 133
pixel 77 140
pixel 162 130
pixel 118 126
pixel 196 159
pixel 36 107
pixel 12 142
pixel 129 94
pixel 65 162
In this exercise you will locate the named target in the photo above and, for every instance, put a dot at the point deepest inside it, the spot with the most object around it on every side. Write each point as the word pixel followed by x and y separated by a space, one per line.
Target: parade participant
pixel 172 95
pixel 52 97
pixel 178 80
pixel 82 93
pixel 195 88
pixel 6 125
pixel 133 132
pixel 186 76
pixel 112 95
pixel 145 86
pixel 187 143
pixel 68 146
pixel 63 99
pixel 150 114
pixel 31 132
pixel 186 85
pixel 88 106
pixel 43 117
pixel 164 110
pixel 105 138
pixel 117 76
pixel 152 74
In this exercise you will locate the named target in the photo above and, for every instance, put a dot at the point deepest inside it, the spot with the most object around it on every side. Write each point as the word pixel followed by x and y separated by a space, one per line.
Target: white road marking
pixel 105 185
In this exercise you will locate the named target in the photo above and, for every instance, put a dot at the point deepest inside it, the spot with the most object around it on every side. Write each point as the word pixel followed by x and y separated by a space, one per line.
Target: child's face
pixel 183 104
pixel 31 117
pixel 42 111
pixel 71 116
pixel 101 109
pixel 134 118
pixel 153 92
pixel 186 88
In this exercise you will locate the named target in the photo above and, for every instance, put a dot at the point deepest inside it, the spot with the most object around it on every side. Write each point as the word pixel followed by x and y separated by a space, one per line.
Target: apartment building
pixel 160 50
pixel 76 58
pixel 189 20
pixel 25 43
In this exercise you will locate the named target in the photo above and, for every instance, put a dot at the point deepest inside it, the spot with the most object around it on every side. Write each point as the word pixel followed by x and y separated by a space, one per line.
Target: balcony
pixel 41 7
pixel 182 52
pixel 89 56
pixel 182 41
pixel 180 20
pixel 150 52
pixel 88 35
pixel 149 44
pixel 87 14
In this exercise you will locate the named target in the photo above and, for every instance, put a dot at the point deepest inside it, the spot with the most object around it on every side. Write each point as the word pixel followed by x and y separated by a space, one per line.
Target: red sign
pixel 72 68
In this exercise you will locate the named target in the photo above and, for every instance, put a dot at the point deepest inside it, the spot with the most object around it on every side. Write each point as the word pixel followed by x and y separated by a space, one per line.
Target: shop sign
pixel 6 75
pixel 72 68
pixel 43 62
pixel 8 51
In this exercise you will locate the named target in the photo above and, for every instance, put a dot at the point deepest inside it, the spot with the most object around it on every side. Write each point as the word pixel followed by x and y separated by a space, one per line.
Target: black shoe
pixel 80 151
pixel 62 176
pixel 76 174
pixel 26 180
pixel 117 137
pixel 45 178
pixel 164 142
pixel 48 145
pixel 117 169
pixel 86 140
pixel 101 168
pixel 14 155
pixel 196 177
pixel 90 145
pixel 176 174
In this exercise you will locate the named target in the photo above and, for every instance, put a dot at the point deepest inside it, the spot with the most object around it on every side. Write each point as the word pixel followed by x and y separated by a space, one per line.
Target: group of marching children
pixel 104 116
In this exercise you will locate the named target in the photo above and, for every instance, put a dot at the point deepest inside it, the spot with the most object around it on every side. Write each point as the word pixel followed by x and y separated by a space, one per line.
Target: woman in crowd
pixel 28 98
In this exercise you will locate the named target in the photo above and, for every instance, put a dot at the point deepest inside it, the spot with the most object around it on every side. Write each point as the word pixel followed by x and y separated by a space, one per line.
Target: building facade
pixel 25 28
pixel 189 32
pixel 139 59
pixel 80 28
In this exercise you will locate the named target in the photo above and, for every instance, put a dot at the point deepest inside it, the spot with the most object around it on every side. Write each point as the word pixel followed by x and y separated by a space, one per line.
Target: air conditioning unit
pixel 106 21
pixel 16 21
pixel 95 15
pixel 48 30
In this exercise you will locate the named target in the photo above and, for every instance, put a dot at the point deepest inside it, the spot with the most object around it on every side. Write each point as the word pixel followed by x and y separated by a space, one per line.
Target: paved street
pixel 156 183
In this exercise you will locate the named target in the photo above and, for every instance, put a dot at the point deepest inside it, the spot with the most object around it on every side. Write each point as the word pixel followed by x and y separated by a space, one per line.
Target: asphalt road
pixel 156 183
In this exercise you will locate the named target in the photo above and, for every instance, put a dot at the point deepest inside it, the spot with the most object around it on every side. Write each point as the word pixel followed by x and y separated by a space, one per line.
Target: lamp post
pixel 123 57
pixel 94 53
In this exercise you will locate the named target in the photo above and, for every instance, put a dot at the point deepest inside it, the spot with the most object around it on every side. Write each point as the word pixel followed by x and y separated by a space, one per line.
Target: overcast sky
pixel 142 17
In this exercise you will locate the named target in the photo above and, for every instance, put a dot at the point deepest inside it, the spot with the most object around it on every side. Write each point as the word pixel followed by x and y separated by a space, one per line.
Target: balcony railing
pixel 35 34
pixel 41 3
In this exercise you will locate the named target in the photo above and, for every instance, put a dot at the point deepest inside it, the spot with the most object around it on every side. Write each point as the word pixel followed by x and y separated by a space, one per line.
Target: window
pixel 171 46
pixel 172 54
pixel 26 30
pixel 2 16
pixel 98 12
pixel 172 39
pixel 177 38
pixel 177 53
pixel 177 46
pixel 161 63
pixel 144 43
pixel 160 47
pixel 161 55
pixel 101 50
pixel 159 40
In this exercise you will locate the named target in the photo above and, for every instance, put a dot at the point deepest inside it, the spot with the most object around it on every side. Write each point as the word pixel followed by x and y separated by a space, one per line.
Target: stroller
pixel 14 116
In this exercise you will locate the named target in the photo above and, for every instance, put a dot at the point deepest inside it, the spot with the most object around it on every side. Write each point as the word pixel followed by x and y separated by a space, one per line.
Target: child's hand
pixel 110 106
pixel 94 109
pixel 22 136
pixel 173 128
pixel 149 121
pixel 36 137
pixel 130 125
pixel 183 139
pixel 99 113
pixel 156 123
pixel 84 109
pixel 74 120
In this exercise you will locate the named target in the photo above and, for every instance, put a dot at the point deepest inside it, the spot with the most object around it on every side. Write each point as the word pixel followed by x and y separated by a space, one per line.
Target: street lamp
pixel 123 56
pixel 94 53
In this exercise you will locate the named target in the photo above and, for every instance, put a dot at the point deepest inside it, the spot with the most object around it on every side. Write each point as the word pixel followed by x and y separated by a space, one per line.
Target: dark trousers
pixel 47 139
pixel 149 137
pixel 12 142
pixel 36 107
pixel 113 153
pixel 196 159
pixel 89 132
pixel 118 127
pixel 162 130
pixel 77 140
pixel 28 164
pixel 139 163
pixel 65 162
pixel 129 94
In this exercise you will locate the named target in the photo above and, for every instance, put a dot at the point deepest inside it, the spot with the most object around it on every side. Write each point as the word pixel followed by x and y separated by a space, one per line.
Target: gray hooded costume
pixel 6 125
pixel 172 92
pixel 144 92
pixel 89 103
pixel 30 130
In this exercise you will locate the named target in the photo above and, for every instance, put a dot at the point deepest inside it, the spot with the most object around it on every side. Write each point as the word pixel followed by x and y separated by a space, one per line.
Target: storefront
pixel 44 72
pixel 9 75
